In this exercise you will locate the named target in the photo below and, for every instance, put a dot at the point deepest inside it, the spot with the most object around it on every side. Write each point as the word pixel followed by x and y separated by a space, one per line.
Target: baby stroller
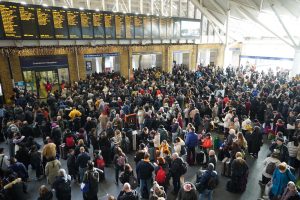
pixel 99 163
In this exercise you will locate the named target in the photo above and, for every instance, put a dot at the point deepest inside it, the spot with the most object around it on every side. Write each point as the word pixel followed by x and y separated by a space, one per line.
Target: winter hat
pixel 280 139
pixel 210 167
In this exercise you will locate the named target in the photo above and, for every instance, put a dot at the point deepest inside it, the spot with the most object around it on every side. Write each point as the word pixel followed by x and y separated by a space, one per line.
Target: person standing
pixel 207 181
pixel 176 171
pixel 51 170
pixel 81 162
pixel 91 177
pixel 191 141
pixel 144 171
pixel 62 185
pixel 127 193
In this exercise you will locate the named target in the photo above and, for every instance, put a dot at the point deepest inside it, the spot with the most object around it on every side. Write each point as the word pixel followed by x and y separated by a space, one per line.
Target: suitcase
pixel 226 171
pixel 200 158
pixel 63 151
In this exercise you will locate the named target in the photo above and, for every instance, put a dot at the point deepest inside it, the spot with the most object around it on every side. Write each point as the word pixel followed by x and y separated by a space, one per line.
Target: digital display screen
pixel 120 26
pixel 98 23
pixel 169 28
pixel 45 23
pixel 190 29
pixel 129 22
pixel 60 23
pixel 86 19
pixel 138 27
pixel 73 17
pixel 147 27
pixel 10 21
pixel 28 22
pixel 155 27
pixel 20 21
pixel 109 26
pixel 163 28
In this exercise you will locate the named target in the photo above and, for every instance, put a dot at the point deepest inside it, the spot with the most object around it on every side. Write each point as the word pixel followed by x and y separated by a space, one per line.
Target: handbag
pixel 85 187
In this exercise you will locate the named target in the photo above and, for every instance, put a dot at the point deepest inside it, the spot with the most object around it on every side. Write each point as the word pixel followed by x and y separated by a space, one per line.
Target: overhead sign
pixel 43 62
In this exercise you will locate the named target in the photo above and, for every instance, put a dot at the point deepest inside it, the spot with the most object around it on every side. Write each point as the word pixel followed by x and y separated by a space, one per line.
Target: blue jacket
pixel 280 181
pixel 203 179
pixel 191 140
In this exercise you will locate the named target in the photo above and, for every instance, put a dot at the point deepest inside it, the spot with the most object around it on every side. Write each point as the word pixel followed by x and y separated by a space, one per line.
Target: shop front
pixel 43 74
pixel 101 63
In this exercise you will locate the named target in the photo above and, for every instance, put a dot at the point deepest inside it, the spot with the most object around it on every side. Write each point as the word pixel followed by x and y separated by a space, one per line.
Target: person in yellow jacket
pixel 74 113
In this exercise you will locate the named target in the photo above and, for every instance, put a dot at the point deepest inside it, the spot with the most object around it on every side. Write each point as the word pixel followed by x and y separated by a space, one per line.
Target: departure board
pixel 10 21
pixel 169 28
pixel 28 22
pixel 109 26
pixel 155 27
pixel 129 22
pixel 60 23
pixel 120 26
pixel 138 27
pixel 86 19
pixel 45 23
pixel 1 29
pixel 73 18
pixel 147 27
pixel 98 23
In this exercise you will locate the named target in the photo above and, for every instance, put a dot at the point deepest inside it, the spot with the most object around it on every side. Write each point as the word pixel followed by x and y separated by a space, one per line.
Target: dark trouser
pixel 38 169
pixel 87 196
pixel 191 155
pixel 176 184
pixel 264 179
pixel 117 172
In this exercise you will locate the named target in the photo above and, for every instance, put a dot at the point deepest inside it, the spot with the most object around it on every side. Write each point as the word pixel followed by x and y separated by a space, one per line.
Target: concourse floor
pixel 108 186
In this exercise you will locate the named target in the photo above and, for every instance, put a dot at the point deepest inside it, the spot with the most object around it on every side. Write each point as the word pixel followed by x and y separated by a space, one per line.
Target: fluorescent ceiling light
pixel 81 8
pixel 97 9
pixel 45 5
pixel 65 7
pixel 23 3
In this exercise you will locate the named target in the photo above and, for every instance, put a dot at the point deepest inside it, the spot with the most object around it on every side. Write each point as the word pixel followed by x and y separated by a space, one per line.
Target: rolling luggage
pixel 63 151
pixel 226 171
pixel 200 158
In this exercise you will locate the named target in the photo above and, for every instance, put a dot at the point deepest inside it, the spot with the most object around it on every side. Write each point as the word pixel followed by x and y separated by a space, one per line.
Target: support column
pixel 296 65
pixel 226 58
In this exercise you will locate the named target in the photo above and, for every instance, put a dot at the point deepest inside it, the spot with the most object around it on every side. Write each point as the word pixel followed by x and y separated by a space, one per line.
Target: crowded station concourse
pixel 160 99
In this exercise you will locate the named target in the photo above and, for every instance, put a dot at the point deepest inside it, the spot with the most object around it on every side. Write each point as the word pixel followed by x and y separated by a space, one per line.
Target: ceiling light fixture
pixel 45 5
pixel 97 9
pixel 23 3
pixel 65 7
pixel 81 8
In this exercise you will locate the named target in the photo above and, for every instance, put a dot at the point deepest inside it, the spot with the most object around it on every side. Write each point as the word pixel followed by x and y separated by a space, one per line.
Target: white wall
pixel 267 48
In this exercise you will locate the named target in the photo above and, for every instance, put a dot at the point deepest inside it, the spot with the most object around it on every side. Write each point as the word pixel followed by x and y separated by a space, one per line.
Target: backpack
pixel 161 176
pixel 183 168
pixel 271 168
pixel 121 161
pixel 64 188
pixel 100 163
pixel 133 182
pixel 70 142
pixel 212 182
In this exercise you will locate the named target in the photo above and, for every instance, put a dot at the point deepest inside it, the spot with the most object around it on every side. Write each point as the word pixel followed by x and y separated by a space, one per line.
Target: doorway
pixel 102 63
pixel 144 61
pixel 182 58
pixel 36 81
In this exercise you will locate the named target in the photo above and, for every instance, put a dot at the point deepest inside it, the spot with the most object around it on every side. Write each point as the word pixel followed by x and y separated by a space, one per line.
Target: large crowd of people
pixel 169 121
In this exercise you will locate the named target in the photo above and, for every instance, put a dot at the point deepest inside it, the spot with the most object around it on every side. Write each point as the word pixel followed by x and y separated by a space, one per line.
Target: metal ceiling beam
pixel 212 18
pixel 88 4
pixel 129 6
pixel 218 6
pixel 283 26
pixel 248 15
pixel 217 32
pixel 53 2
pixel 103 4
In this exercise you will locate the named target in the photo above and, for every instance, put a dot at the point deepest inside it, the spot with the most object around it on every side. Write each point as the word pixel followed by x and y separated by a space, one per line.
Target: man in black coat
pixel 144 171
pixel 175 170
pixel 280 146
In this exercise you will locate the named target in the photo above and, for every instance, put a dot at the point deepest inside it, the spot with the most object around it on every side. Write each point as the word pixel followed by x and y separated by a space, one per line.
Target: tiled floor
pixel 109 187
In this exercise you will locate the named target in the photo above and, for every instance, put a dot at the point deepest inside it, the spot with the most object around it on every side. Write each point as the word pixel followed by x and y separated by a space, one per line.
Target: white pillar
pixel 296 65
